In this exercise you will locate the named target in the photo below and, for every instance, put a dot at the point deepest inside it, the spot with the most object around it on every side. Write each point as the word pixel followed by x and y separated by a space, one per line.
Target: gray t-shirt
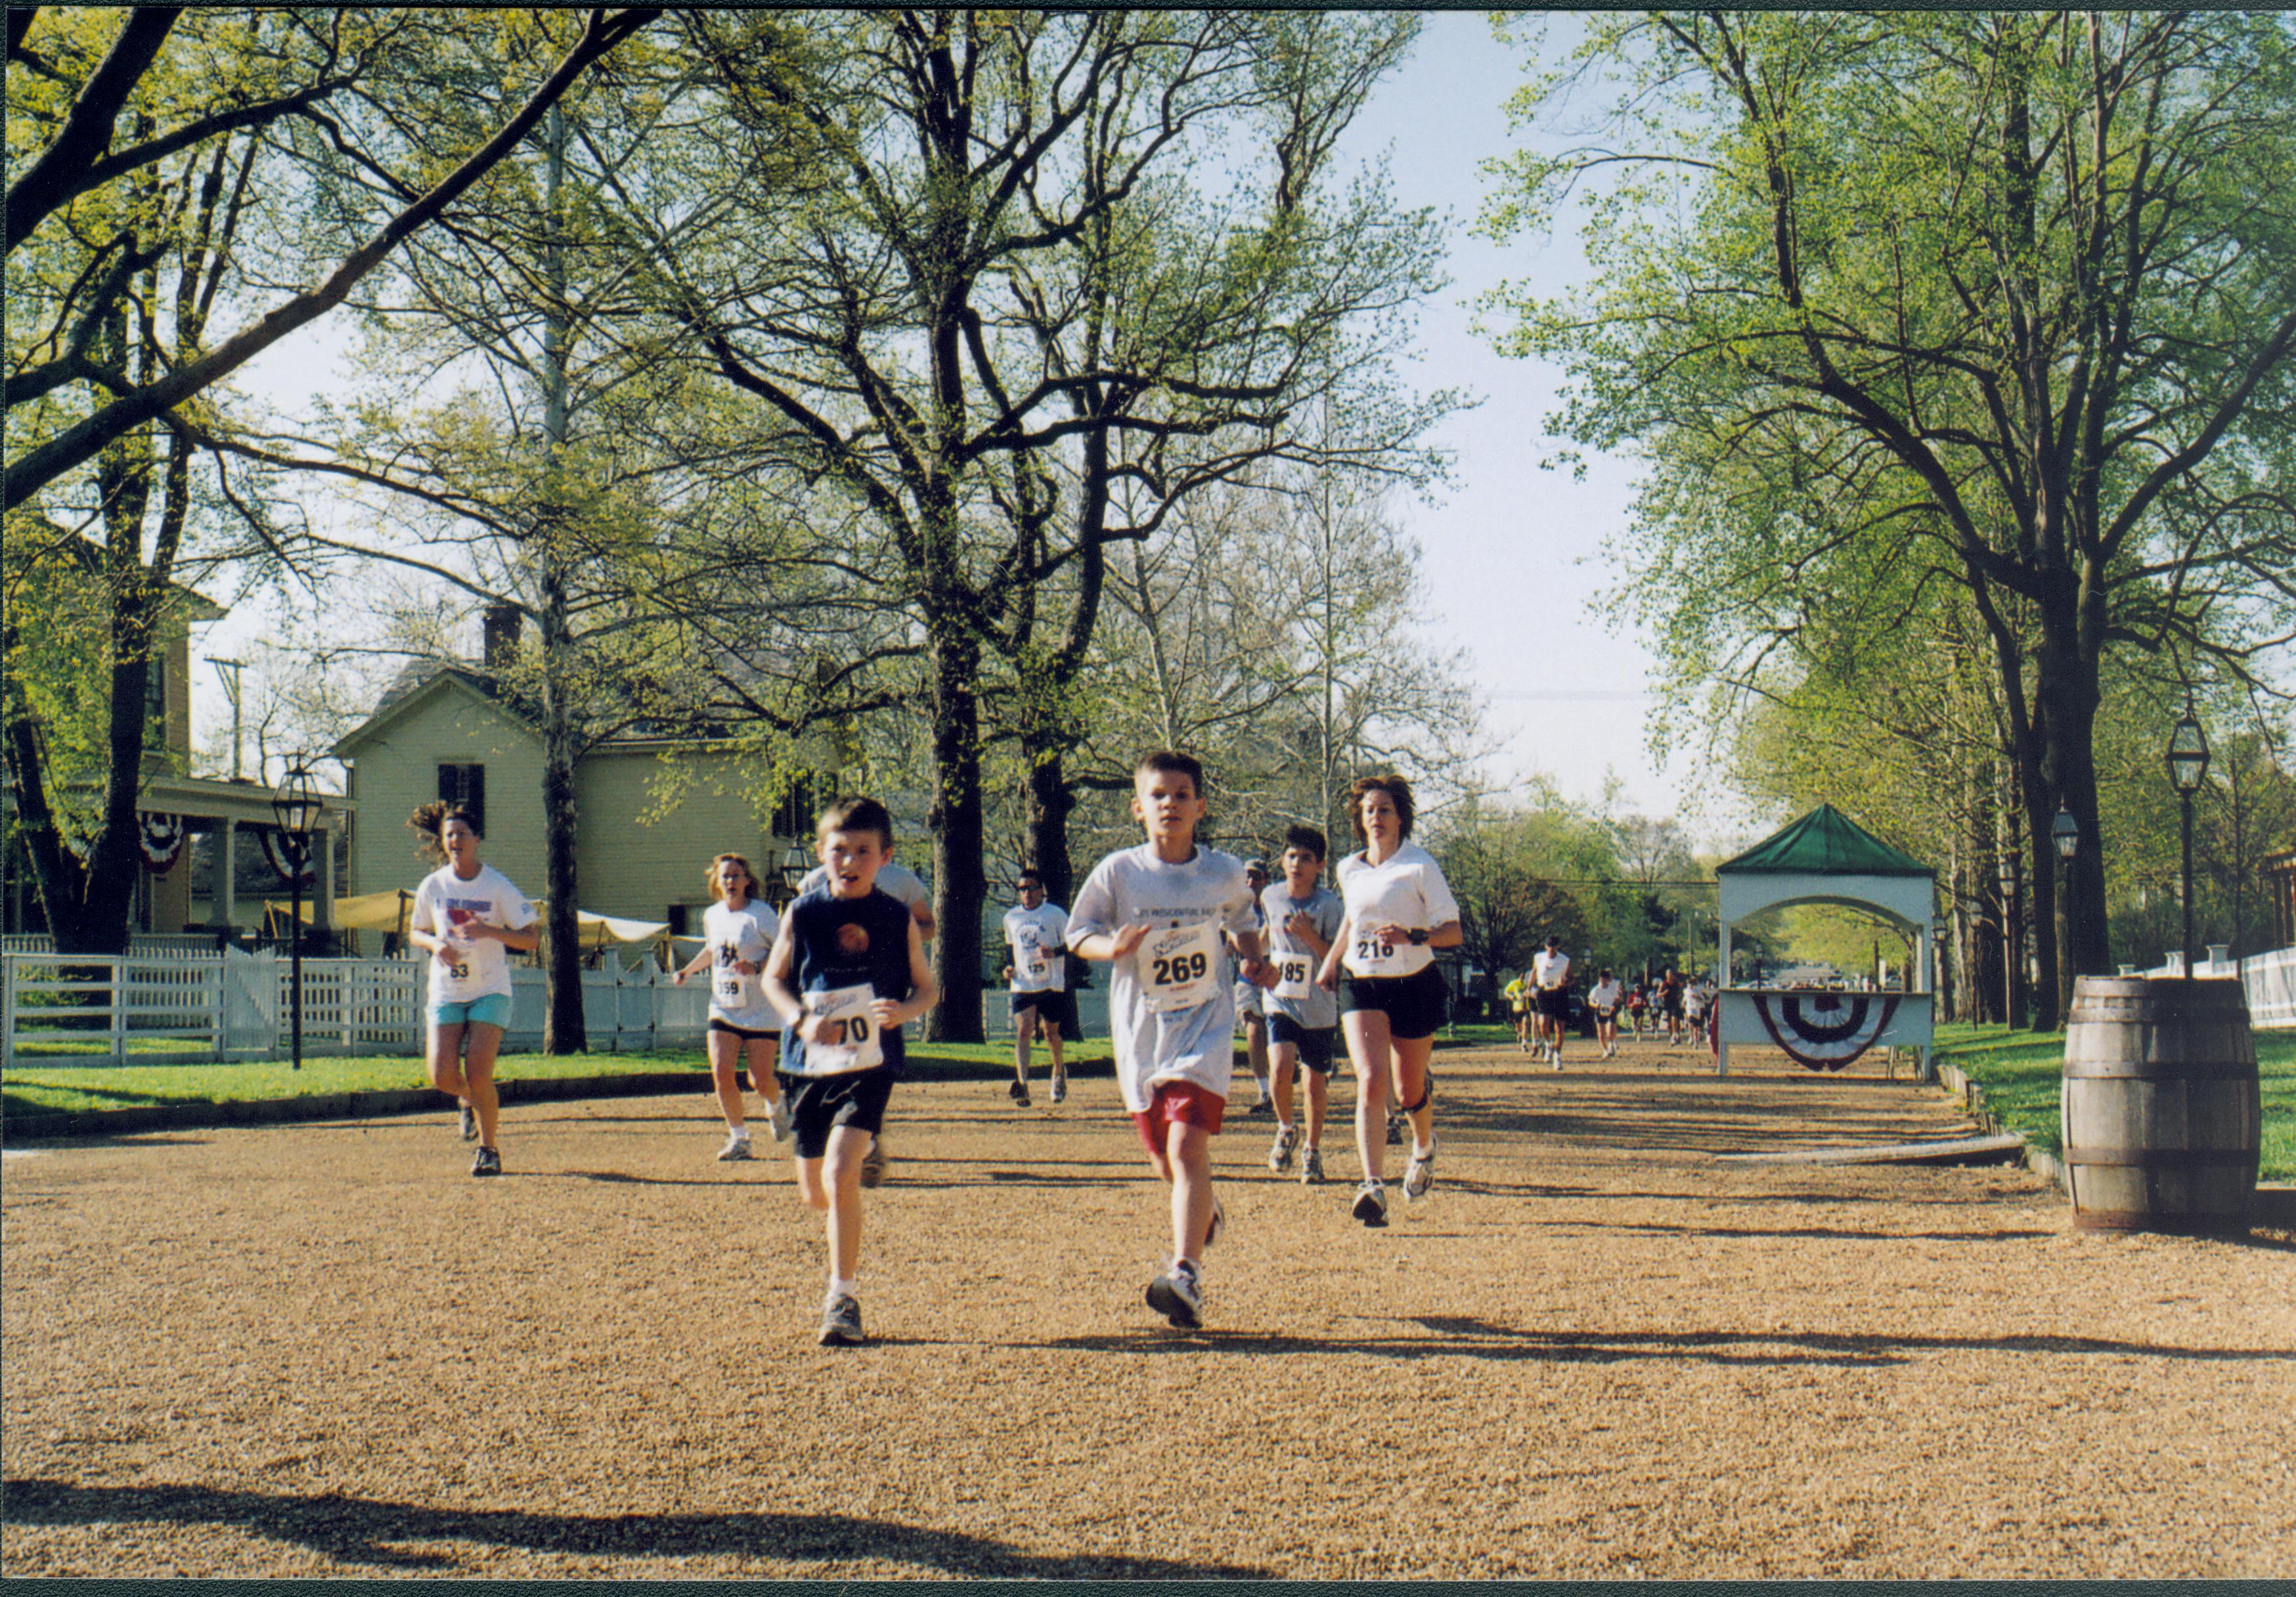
pixel 1171 1007
pixel 896 881
pixel 1295 962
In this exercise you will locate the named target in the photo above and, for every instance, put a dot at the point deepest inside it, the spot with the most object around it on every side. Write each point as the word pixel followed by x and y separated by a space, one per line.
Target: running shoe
pixel 1279 1157
pixel 1060 1089
pixel 1311 1167
pixel 1266 1106
pixel 1558 1062
pixel 873 1162
pixel 469 1124
pixel 840 1322
pixel 737 1147
pixel 1218 1225
pixel 780 1115
pixel 1421 1177
pixel 488 1163
pixel 1395 1124
pixel 1019 1092
pixel 1178 1296
pixel 1371 1202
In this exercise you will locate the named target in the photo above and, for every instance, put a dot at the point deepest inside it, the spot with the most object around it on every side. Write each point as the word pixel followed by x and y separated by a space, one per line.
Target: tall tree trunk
pixel 959 827
pixel 1049 803
pixel 564 1030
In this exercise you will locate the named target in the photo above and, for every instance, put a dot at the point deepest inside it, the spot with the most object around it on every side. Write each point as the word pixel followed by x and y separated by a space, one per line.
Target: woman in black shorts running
pixel 1400 910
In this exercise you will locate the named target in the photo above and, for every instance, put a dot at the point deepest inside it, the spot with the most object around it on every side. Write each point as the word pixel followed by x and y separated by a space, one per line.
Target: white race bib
pixel 1179 967
pixel 850 1041
pixel 1372 956
pixel 726 983
pixel 1294 976
pixel 1033 964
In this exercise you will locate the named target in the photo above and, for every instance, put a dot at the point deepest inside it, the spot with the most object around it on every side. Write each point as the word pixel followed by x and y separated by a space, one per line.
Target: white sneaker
pixel 1279 1157
pixel 737 1147
pixel 1371 1202
pixel 1421 1177
pixel 1178 1296
pixel 779 1114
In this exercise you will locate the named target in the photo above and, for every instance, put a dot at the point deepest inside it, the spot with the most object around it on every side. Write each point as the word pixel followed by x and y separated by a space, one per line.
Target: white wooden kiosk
pixel 1826 857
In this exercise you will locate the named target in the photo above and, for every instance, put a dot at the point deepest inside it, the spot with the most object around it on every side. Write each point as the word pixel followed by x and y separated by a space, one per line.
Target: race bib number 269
pixel 1179 967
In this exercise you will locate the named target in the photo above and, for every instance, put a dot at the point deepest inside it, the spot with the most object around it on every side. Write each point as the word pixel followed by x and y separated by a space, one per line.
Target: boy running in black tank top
pixel 848 971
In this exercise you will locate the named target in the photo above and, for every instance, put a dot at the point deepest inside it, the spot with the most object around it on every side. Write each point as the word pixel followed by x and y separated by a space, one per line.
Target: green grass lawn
pixel 2022 1071
pixel 32 1089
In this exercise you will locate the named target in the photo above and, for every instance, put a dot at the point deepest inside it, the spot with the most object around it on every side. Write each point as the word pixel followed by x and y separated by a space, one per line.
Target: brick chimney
pixel 502 627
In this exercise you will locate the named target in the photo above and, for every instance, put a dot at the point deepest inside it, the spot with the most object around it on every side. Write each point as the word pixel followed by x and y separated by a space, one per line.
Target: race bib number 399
pixel 1179 967
pixel 849 1040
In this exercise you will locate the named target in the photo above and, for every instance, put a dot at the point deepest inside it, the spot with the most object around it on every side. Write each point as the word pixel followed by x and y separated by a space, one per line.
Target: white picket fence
pixel 2269 979
pixel 185 1008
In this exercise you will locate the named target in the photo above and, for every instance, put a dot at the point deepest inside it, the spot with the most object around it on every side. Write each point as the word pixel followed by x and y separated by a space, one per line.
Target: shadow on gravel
pixel 1801 1230
pixel 362 1531
pixel 1880 1346
pixel 1479 1339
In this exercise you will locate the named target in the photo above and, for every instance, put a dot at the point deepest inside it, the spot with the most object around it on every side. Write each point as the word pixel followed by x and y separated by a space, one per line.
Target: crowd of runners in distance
pixel 813 1001
pixel 1541 1001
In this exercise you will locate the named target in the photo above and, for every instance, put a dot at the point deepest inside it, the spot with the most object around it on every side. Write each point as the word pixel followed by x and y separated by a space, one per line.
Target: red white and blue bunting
pixel 274 851
pixel 160 837
pixel 1825 1031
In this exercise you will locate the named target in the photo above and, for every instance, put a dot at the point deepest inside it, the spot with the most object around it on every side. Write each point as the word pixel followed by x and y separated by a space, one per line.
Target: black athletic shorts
pixel 1055 1005
pixel 744 1033
pixel 1413 1004
pixel 1555 1002
pixel 1315 1046
pixel 819 1104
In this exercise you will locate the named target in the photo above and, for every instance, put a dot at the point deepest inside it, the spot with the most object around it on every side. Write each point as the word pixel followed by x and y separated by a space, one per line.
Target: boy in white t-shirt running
pixel 1036 933
pixel 1166 914
pixel 1303 918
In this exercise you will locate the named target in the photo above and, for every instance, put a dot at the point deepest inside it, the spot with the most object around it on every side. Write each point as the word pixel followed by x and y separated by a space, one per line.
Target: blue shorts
pixel 492 1009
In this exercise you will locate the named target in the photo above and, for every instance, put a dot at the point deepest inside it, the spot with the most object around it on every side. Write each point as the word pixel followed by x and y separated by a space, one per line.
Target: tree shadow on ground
pixel 1835 1233
pixel 1470 1338
pixel 357 1530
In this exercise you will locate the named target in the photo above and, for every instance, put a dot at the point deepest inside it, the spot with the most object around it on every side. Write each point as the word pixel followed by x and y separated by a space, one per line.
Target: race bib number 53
pixel 1179 967
pixel 849 1038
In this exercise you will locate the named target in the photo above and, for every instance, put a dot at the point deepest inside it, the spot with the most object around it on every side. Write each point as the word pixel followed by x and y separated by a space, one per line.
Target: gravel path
pixel 1599 1351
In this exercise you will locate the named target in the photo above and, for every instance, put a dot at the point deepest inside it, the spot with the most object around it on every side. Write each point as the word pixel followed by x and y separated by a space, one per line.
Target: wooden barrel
pixel 2162 1115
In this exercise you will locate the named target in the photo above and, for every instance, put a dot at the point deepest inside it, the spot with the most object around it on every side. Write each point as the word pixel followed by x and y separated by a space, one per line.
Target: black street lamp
pixel 297 808
pixel 2188 760
pixel 2065 833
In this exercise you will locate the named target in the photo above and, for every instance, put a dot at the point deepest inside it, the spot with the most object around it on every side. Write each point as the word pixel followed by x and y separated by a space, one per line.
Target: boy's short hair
pixel 857 814
pixel 1173 761
pixel 1029 873
pixel 1307 840
pixel 1399 793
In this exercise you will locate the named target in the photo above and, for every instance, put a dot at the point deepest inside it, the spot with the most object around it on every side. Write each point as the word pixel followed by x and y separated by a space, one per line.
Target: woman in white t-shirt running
pixel 1400 910
pixel 737 934
pixel 468 918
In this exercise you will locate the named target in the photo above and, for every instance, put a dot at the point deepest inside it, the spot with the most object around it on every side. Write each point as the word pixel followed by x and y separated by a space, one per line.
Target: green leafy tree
pixel 2006 296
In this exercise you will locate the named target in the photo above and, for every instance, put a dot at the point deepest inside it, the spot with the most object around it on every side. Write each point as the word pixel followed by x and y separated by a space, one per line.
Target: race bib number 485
pixel 1294 976
pixel 1179 967
pixel 849 1040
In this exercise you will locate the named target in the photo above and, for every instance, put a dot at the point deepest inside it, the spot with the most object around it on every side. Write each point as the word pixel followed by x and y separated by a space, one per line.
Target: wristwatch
pixel 1417 935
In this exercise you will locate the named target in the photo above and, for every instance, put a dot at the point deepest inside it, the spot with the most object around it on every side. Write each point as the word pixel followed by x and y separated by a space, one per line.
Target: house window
pixel 808 797
pixel 464 786
pixel 677 921
pixel 155 697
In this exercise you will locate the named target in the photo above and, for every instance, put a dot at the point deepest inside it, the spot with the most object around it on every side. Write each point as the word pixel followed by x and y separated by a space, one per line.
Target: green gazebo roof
pixel 1826 841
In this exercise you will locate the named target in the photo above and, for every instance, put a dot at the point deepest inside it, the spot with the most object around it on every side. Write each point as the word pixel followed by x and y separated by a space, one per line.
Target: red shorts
pixel 1185 1102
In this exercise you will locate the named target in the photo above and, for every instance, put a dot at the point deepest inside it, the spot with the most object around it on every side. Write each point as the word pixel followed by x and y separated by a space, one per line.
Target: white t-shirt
pixel 745 935
pixel 1606 995
pixel 1172 1004
pixel 1550 971
pixel 1407 891
pixel 1036 937
pixel 480 968
pixel 897 881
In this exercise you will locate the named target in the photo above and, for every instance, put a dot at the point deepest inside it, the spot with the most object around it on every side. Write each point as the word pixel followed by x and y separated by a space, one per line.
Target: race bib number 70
pixel 849 1041
pixel 1179 967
